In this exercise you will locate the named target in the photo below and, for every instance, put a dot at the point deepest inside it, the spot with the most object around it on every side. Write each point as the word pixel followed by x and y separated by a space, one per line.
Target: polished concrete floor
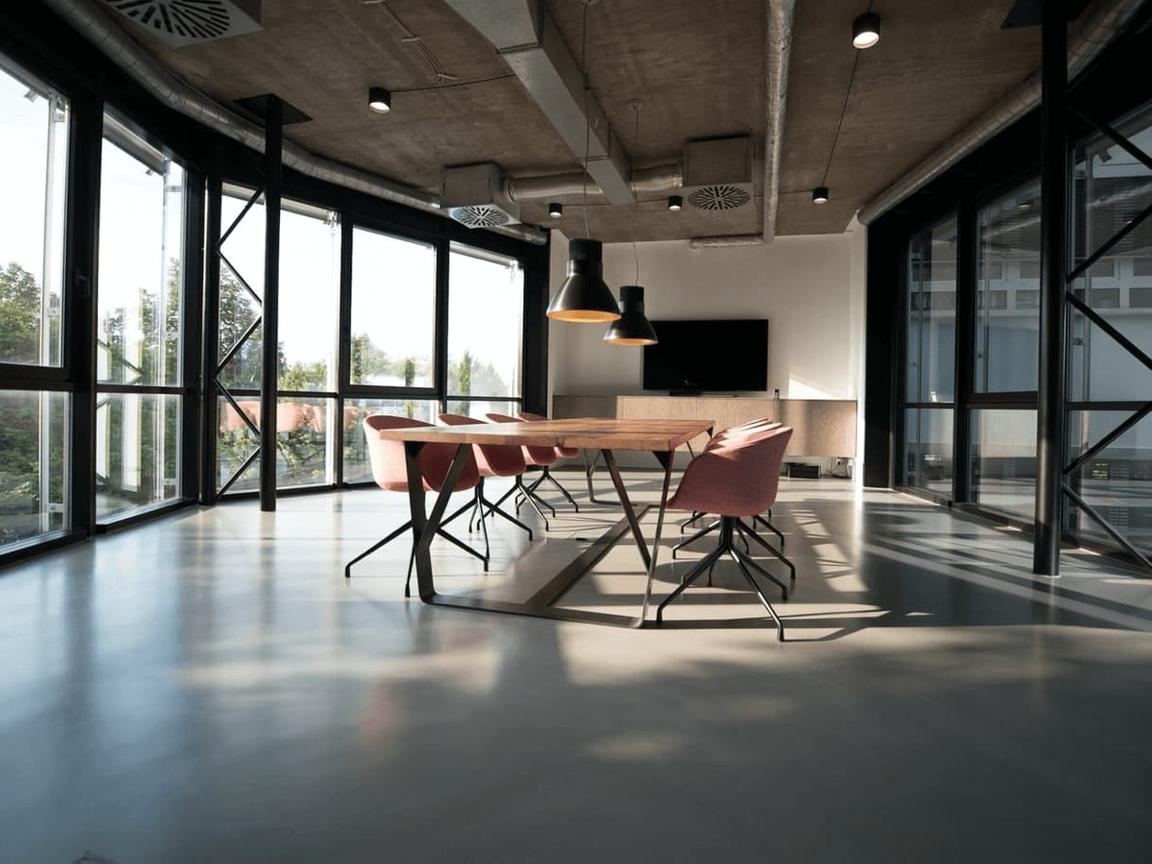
pixel 208 688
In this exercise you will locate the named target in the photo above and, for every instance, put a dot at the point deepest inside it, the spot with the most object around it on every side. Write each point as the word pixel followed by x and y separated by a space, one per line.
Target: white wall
pixel 810 288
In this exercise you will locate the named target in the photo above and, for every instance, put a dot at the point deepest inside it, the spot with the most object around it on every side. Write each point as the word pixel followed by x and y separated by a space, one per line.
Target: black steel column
pixel 273 141
pixel 1050 419
pixel 209 393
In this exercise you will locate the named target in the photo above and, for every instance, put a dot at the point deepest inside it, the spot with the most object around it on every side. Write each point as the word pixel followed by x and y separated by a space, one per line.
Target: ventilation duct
pixel 1099 25
pixel 718 173
pixel 189 22
pixel 99 29
pixel 476 196
pixel 656 180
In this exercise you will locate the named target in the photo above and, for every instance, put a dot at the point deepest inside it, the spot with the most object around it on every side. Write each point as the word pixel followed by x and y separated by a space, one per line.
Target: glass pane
pixel 356 467
pixel 33 160
pixel 928 449
pixel 242 265
pixel 33 464
pixel 137 451
pixel 235 442
pixel 931 314
pixel 393 311
pixel 1004 460
pixel 477 409
pixel 1117 482
pixel 485 311
pixel 141 243
pixel 303 457
pixel 309 300
pixel 1111 188
pixel 1007 292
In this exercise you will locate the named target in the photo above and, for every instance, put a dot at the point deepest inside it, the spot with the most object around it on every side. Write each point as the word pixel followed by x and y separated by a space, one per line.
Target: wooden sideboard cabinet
pixel 822 428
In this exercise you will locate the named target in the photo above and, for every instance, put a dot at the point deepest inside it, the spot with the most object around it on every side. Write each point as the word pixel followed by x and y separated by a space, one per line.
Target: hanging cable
pixel 587 119
pixel 636 149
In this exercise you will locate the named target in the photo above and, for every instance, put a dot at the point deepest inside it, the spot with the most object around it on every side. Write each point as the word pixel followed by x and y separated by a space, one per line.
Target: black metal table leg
pixel 425 525
pixel 589 471
pixel 666 459
pixel 626 503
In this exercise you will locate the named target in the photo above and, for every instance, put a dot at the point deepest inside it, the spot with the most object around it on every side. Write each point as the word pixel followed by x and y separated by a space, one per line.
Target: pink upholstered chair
pixel 493 460
pixel 762 423
pixel 546 470
pixel 390 471
pixel 736 478
pixel 535 457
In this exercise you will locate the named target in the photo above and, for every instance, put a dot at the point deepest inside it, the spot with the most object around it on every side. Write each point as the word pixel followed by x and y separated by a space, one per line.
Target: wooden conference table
pixel 660 437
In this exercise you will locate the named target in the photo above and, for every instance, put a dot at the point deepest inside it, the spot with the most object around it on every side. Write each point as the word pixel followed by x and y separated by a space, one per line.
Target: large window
pixel 1004 461
pixel 34 432
pixel 930 352
pixel 1007 292
pixel 307 351
pixel 140 315
pixel 393 335
pixel 1106 383
pixel 485 323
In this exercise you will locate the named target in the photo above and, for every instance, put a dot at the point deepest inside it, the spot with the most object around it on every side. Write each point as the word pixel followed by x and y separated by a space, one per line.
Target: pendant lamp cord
pixel 587 119
pixel 636 149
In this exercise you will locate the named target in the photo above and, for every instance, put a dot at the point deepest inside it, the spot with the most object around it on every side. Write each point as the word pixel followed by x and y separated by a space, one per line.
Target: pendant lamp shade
pixel 632 327
pixel 584 298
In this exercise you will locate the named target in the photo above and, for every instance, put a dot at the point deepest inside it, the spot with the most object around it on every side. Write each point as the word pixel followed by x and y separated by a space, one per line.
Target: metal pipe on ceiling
pixel 107 36
pixel 778 51
pixel 722 241
pixel 661 178
pixel 1098 27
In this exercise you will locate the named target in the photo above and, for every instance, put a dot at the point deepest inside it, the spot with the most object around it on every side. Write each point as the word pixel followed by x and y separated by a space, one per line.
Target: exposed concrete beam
pixel 528 40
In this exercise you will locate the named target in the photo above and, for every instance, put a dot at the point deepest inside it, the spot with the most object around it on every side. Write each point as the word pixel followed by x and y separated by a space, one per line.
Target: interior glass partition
pixel 35 404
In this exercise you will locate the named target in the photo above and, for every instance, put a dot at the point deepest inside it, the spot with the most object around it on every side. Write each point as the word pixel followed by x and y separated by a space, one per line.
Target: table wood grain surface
pixel 583 433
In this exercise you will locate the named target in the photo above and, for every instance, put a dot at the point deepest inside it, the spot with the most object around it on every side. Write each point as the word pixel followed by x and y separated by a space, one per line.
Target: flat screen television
pixel 716 355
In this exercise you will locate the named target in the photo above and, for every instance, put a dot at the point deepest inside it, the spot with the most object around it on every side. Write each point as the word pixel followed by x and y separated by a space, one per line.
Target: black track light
pixel 866 30
pixel 675 203
pixel 820 195
pixel 555 210
pixel 379 100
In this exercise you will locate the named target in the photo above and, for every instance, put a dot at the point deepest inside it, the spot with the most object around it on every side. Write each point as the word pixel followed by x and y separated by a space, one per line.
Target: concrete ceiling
pixel 697 70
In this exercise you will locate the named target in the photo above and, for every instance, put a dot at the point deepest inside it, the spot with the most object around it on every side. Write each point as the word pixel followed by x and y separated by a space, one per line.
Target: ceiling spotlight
pixel 675 203
pixel 866 30
pixel 379 100
pixel 820 195
pixel 555 210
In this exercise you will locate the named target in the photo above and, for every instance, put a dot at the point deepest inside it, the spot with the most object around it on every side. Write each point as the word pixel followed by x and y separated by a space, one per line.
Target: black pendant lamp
pixel 632 327
pixel 584 298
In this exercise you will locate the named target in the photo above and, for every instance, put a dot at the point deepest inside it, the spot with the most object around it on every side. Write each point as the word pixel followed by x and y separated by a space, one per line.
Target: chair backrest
pixel 743 429
pixel 497 460
pixel 739 476
pixel 532 455
pixel 564 452
pixel 390 468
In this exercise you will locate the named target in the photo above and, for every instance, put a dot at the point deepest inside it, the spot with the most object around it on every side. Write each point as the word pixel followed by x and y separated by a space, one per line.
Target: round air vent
pixel 720 197
pixel 480 216
pixel 187 19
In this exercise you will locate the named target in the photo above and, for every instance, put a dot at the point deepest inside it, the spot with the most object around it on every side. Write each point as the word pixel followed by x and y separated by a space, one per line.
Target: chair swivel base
pixel 729 527
pixel 407 526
